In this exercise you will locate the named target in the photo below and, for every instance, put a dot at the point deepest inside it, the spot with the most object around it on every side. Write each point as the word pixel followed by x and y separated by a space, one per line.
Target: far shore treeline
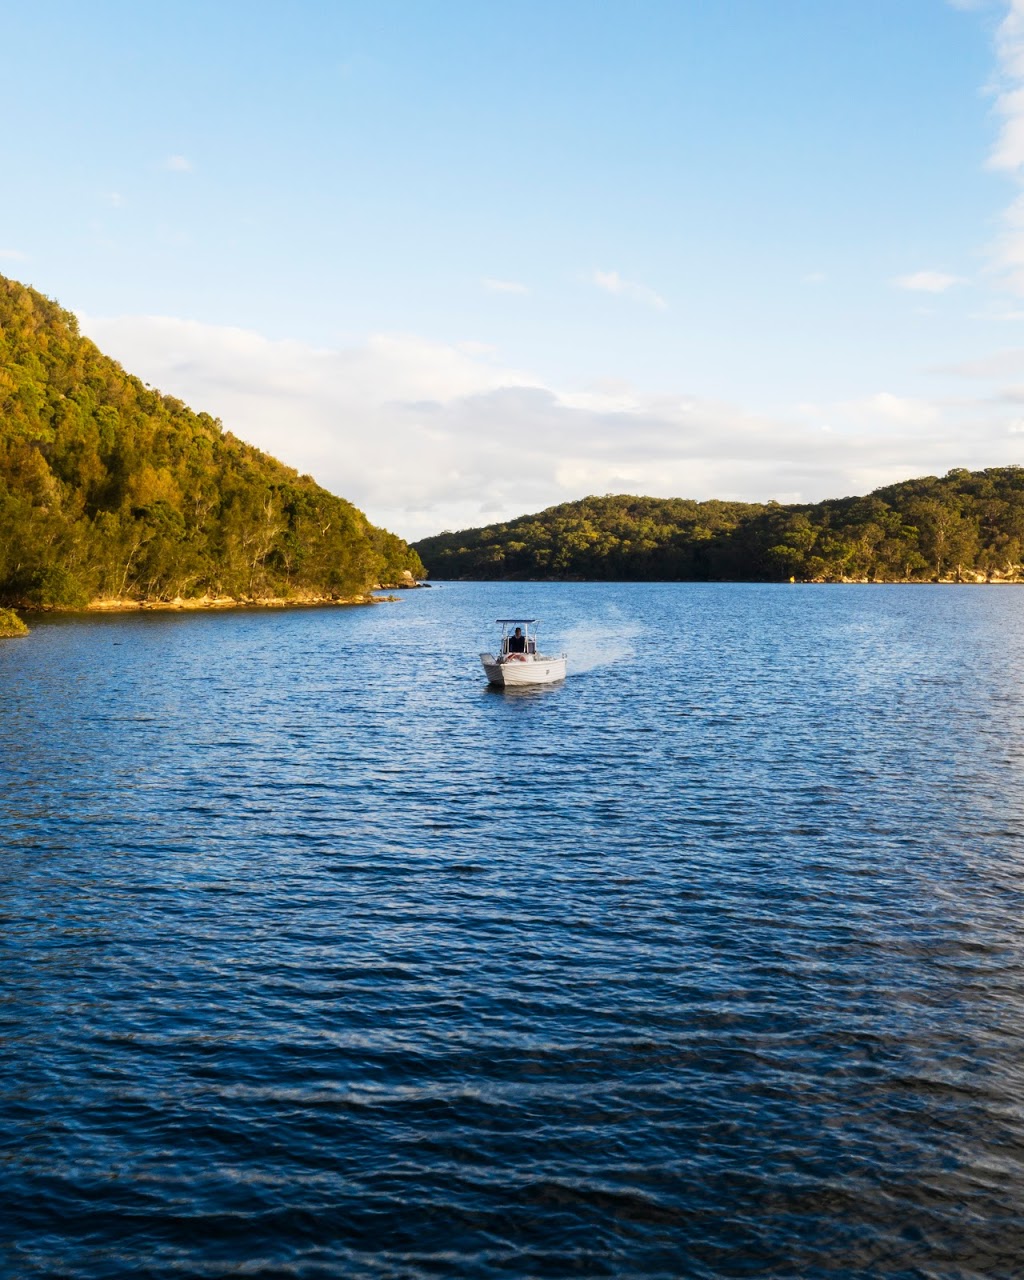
pixel 109 489
pixel 964 526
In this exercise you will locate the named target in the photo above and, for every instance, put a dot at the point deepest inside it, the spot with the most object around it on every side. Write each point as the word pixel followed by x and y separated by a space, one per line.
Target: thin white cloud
pixel 612 282
pixel 425 436
pixel 815 277
pixel 1007 154
pixel 1000 364
pixel 115 199
pixel 910 411
pixel 178 164
pixel 503 286
pixel 13 255
pixel 928 281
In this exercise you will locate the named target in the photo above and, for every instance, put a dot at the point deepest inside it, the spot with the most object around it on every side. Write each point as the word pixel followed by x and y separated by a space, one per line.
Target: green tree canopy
pixel 965 524
pixel 108 488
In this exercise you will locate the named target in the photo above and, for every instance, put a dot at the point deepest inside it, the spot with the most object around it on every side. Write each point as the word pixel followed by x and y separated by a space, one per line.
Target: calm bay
pixel 321 958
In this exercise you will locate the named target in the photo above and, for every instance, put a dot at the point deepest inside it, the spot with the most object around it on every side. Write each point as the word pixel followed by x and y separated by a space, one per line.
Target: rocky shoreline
pixel 196 603
pixel 966 578
pixel 186 604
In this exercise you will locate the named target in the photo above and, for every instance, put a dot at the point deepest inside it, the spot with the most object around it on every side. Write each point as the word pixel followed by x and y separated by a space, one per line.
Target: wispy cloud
pixel 928 281
pixel 503 286
pixel 13 255
pixel 1007 155
pixel 178 164
pixel 909 411
pixel 612 282
pixel 999 364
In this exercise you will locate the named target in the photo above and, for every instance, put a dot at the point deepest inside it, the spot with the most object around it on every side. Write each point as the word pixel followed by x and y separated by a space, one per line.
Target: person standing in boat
pixel 517 641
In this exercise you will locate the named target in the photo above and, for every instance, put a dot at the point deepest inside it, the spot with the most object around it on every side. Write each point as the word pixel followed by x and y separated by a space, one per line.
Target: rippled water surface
pixel 321 959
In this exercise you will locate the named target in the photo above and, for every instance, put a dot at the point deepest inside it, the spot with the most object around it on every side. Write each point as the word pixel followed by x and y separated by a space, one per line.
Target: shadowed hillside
pixel 968 525
pixel 110 489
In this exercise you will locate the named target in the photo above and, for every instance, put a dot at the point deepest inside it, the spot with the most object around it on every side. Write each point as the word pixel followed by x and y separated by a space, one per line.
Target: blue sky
pixel 462 260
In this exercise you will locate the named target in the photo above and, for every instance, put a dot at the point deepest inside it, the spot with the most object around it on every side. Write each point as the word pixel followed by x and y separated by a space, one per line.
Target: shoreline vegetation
pixel 111 491
pixel 11 625
pixel 964 527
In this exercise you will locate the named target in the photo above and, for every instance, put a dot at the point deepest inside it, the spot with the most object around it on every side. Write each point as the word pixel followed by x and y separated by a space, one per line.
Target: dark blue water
pixel 320 959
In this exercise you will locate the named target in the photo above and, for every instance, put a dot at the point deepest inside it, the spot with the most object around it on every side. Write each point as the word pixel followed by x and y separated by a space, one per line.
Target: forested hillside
pixel 965 525
pixel 110 489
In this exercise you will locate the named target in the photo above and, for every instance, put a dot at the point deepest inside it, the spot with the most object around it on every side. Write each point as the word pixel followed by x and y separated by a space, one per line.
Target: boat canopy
pixel 523 621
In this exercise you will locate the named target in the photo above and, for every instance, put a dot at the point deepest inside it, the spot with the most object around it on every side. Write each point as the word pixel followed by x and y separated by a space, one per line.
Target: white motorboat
pixel 518 660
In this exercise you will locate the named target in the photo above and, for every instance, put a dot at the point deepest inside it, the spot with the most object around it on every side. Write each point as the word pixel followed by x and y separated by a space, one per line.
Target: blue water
pixel 320 959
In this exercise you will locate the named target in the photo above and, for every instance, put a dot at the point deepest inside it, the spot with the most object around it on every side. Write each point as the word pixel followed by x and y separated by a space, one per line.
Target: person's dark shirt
pixel 517 644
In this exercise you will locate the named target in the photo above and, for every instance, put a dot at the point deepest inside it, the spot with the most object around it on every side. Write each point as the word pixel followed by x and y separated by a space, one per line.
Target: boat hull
pixel 535 670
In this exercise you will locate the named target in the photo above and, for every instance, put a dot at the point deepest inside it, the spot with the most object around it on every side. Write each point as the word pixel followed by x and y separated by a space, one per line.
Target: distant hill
pixel 110 489
pixel 966 525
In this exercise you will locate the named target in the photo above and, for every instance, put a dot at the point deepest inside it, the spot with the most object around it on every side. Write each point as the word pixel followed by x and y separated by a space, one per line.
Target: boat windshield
pixel 516 635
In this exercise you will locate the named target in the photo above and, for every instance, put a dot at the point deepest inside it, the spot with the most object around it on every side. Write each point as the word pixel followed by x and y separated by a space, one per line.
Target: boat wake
pixel 599 644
